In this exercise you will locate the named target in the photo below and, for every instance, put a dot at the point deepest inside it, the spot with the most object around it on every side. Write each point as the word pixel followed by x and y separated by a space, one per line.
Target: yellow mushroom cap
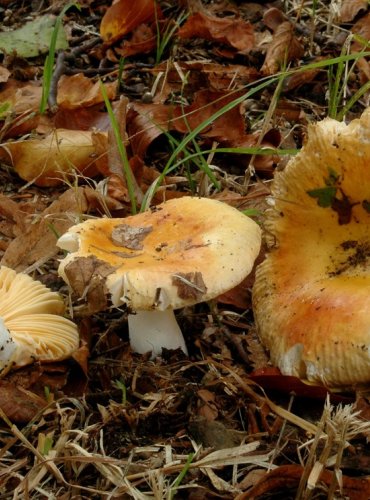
pixel 31 327
pixel 311 296
pixel 184 251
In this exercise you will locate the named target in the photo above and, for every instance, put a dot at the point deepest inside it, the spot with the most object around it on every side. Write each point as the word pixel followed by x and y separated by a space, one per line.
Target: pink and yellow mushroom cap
pixel 311 296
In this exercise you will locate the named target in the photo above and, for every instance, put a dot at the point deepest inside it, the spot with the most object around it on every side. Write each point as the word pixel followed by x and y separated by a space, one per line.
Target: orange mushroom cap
pixel 311 296
pixel 182 252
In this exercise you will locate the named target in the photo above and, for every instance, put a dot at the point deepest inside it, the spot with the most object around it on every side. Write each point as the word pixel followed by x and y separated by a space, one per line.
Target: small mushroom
pixel 31 325
pixel 182 252
pixel 311 295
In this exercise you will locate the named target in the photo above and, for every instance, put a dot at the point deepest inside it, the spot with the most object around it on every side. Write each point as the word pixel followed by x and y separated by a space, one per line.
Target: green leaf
pixel 366 205
pixel 33 38
pixel 325 196
pixel 333 177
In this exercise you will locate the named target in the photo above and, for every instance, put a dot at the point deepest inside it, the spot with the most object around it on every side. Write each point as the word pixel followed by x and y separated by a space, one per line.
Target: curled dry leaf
pixel 296 80
pixel 228 127
pixel 284 46
pixel 49 160
pixel 18 404
pixel 78 119
pixel 146 122
pixel 202 74
pixel 350 9
pixel 37 241
pixel 4 74
pixel 362 29
pixel 124 16
pixel 79 91
pixel 289 476
pixel 23 97
pixel 142 41
pixel 237 33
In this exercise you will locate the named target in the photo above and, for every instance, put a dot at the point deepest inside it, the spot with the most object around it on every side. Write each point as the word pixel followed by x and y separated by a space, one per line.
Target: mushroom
pixel 31 325
pixel 182 252
pixel 311 295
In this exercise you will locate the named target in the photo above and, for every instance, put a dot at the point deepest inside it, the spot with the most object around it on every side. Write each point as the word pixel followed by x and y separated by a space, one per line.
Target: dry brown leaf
pixel 4 74
pixel 146 122
pixel 362 29
pixel 202 74
pixel 284 46
pixel 79 91
pixel 77 119
pixel 123 16
pixel 207 405
pixel 237 33
pixel 23 97
pixel 300 78
pixel 49 160
pixel 350 8
pixel 18 404
pixel 11 216
pixel 142 41
pixel 38 242
pixel 230 126
pixel 288 476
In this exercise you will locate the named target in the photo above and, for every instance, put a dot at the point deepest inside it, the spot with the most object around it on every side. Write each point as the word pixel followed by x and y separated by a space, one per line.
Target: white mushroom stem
pixel 152 330
pixel 7 348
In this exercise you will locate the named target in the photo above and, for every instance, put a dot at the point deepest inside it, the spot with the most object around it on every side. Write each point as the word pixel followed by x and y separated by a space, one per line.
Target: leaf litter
pixel 222 423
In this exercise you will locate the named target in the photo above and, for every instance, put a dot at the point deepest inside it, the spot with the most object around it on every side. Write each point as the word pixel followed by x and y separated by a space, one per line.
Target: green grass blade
pixel 50 58
pixel 127 172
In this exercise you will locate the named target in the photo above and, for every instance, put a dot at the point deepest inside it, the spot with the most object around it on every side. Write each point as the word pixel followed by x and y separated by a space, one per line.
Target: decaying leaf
pixel 362 29
pixel 350 8
pixel 79 91
pixel 237 33
pixel 37 242
pixel 288 476
pixel 142 41
pixel 124 16
pixel 284 47
pixel 33 38
pixel 19 404
pixel 49 160
pixel 4 74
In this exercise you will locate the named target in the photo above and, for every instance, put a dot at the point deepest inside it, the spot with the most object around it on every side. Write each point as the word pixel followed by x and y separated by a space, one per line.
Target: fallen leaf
pixel 124 16
pixel 77 119
pixel 207 405
pixel 11 216
pixel 37 243
pixel 23 97
pixel 237 33
pixel 142 41
pixel 4 74
pixel 270 378
pixel 49 160
pixel 146 122
pixel 362 29
pixel 202 74
pixel 300 78
pixel 288 477
pixel 19 404
pixel 230 126
pixel 351 8
pixel 79 91
pixel 284 47
pixel 33 38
